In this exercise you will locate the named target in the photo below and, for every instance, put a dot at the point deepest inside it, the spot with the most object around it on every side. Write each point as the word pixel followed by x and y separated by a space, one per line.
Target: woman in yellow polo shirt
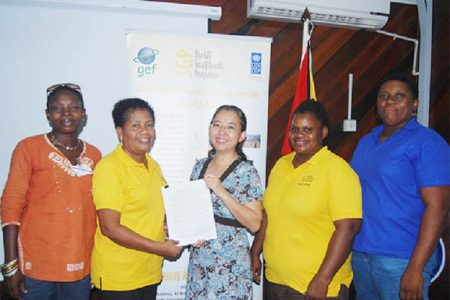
pixel 130 243
pixel 313 208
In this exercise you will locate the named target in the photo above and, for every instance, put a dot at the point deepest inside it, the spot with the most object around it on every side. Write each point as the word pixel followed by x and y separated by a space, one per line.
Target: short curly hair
pixel 405 78
pixel 316 109
pixel 123 107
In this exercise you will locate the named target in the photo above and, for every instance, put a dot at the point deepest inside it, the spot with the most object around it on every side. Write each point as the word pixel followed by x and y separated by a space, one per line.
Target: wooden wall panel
pixel 336 52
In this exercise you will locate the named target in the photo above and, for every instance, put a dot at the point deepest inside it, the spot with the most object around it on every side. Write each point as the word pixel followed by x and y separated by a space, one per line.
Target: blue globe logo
pixel 146 56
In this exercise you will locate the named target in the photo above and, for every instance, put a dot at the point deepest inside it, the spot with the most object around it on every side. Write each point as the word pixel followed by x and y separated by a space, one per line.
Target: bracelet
pixel 10 264
pixel 10 268
pixel 10 273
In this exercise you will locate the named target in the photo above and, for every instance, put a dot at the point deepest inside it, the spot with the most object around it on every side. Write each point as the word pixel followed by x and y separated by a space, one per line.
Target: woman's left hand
pixel 435 199
pixel 198 243
pixel 411 285
pixel 317 289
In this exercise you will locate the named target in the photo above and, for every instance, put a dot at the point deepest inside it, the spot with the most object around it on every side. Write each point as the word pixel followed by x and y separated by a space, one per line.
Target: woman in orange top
pixel 48 216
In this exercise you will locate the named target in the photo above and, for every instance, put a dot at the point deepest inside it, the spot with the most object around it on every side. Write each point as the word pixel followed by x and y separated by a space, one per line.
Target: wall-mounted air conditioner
pixel 355 14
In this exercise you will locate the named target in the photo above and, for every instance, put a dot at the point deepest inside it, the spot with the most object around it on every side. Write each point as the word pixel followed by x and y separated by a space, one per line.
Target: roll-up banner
pixel 185 78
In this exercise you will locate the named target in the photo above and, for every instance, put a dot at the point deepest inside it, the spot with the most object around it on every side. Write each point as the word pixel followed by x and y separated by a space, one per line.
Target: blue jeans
pixel 48 290
pixel 377 277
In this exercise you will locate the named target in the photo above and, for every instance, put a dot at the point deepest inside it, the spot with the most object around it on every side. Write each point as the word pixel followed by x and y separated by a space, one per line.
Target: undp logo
pixel 146 56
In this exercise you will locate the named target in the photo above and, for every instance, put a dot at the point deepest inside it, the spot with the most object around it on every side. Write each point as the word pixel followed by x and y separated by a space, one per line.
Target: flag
pixel 305 90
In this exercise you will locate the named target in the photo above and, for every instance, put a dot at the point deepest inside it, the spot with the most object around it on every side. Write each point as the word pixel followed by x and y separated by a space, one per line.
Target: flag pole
pixel 305 37
pixel 303 89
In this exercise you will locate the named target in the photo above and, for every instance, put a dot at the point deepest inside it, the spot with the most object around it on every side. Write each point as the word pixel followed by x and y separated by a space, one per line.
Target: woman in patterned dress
pixel 220 268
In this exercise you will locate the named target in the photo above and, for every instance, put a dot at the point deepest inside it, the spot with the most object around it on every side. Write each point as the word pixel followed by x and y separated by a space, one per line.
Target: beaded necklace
pixel 61 168
pixel 58 144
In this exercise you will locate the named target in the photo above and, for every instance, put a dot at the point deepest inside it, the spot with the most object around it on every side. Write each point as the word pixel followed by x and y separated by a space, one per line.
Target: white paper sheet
pixel 189 212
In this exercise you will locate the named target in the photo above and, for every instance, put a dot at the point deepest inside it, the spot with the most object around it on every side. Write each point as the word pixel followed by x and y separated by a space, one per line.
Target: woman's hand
pixel 317 289
pixel 338 250
pixel 436 203
pixel 13 284
pixel 170 249
pixel 256 249
pixel 248 214
pixel 213 183
pixel 198 243
pixel 256 269
pixel 411 284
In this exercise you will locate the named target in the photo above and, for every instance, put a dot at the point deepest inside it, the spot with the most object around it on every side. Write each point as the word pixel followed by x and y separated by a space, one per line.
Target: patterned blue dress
pixel 220 269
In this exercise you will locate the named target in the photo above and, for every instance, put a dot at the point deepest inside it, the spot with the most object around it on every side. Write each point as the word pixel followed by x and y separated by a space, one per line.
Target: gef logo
pixel 146 56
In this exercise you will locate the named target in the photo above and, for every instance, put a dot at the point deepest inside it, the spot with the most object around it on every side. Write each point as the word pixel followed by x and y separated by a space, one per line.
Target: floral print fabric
pixel 221 268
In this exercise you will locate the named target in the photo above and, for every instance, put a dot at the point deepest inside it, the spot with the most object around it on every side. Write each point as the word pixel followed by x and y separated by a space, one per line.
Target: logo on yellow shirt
pixel 306 180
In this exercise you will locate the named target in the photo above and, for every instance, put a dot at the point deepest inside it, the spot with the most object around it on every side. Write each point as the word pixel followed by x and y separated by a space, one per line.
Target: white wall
pixel 46 42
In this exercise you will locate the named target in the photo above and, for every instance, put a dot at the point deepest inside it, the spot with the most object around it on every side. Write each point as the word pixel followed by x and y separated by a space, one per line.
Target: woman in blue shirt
pixel 404 173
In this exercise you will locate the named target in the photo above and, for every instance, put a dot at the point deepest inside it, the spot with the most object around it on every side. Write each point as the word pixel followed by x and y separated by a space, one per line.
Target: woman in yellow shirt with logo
pixel 130 243
pixel 313 208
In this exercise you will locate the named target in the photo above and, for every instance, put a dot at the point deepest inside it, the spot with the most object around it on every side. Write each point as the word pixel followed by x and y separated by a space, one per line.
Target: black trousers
pixel 273 291
pixel 144 293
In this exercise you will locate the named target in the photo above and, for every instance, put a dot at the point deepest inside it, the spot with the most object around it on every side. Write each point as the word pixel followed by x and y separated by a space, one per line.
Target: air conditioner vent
pixel 336 20
pixel 284 13
pixel 355 14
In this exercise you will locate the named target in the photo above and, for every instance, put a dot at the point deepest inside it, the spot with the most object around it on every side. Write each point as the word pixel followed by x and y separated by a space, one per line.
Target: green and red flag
pixel 305 90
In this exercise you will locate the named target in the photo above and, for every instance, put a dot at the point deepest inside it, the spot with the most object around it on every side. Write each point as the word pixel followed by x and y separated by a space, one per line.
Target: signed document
pixel 189 212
